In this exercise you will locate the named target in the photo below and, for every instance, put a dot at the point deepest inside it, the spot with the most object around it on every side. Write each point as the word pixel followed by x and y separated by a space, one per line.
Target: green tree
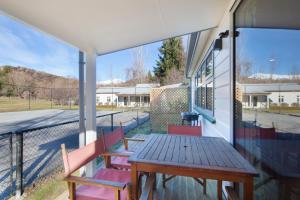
pixel 171 56
pixel 4 70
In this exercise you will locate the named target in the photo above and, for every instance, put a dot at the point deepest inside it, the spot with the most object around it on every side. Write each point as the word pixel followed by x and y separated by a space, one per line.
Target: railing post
pixel 19 164
pixel 112 121
pixel 11 163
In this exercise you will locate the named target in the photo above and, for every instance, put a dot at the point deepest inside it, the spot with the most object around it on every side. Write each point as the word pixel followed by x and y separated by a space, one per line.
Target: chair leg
pixel 154 184
pixel 164 178
pixel 204 186
pixel 71 187
pixel 203 183
pixel 219 189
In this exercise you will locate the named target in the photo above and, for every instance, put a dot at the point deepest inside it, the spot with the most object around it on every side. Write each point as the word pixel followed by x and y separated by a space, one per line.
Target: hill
pixel 22 81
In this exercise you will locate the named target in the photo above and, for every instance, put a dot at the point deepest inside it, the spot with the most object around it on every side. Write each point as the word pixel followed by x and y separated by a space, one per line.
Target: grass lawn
pixel 48 190
pixel 14 104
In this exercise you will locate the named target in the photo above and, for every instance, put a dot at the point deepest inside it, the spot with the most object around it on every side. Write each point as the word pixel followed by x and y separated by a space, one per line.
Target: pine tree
pixel 171 56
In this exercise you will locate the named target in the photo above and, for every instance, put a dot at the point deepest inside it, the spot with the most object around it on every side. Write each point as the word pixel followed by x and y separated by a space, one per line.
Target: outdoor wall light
pixel 218 42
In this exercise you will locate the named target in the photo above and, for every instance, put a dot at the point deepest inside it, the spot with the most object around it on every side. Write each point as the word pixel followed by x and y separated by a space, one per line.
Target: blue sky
pixel 262 45
pixel 21 45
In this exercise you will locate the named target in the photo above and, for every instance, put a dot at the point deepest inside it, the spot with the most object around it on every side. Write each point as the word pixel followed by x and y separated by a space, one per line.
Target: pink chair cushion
pixel 184 130
pixel 102 193
pixel 120 162
pixel 113 137
pixel 79 157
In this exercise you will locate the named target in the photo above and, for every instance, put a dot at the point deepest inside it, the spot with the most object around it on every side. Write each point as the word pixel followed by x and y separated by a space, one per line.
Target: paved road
pixel 282 122
pixel 10 121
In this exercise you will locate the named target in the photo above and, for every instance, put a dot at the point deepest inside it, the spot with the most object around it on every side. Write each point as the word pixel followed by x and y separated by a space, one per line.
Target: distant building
pixel 272 94
pixel 125 96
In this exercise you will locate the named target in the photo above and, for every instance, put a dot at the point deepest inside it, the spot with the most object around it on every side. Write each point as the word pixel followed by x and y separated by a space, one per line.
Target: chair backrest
pixel 113 137
pixel 80 157
pixel 184 130
pixel 267 133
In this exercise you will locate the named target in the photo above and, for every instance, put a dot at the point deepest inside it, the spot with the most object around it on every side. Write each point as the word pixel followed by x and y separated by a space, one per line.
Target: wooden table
pixel 198 157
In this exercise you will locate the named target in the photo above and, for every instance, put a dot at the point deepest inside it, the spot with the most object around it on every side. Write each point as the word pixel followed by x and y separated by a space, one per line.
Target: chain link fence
pixel 7 164
pixel 33 155
pixel 22 98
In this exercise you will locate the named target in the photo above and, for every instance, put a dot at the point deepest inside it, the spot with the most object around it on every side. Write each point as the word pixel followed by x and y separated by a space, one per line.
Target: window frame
pixel 202 81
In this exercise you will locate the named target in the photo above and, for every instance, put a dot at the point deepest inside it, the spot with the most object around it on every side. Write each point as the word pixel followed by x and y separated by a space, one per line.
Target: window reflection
pixel 267 111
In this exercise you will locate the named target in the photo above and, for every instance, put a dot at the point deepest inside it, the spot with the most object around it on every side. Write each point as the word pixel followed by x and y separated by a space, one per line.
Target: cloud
pixel 23 46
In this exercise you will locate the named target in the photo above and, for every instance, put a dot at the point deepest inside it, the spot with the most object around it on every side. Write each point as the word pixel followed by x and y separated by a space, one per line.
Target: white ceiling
pixel 111 25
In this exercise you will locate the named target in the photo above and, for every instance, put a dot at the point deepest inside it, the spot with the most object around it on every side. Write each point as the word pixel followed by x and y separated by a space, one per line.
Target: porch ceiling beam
pixel 108 26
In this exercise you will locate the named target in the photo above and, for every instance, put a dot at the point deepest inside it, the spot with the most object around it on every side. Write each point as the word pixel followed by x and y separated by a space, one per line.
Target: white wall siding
pixel 222 85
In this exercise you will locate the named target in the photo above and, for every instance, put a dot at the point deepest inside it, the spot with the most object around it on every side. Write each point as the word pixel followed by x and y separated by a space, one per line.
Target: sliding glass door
pixel 267 90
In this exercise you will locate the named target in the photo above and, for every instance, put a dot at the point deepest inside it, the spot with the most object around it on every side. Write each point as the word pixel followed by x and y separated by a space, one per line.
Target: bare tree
pixel 174 76
pixel 295 74
pixel 136 72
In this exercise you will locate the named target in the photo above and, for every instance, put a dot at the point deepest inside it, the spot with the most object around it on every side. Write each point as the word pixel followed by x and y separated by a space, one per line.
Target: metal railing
pixel 31 155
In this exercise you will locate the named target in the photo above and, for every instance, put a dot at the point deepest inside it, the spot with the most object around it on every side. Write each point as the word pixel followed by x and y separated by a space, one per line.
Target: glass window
pixel 209 96
pixel 209 64
pixel 204 85
pixel 267 64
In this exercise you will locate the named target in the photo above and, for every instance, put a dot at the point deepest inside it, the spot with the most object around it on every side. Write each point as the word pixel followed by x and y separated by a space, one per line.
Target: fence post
pixel 112 121
pixel 11 163
pixel 51 97
pixel 29 100
pixel 19 164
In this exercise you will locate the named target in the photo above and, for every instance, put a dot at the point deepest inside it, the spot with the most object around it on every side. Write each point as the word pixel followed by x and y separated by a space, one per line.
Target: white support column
pixel 91 134
pixel 250 101
pixel 81 101
pixel 140 101
pixel 81 105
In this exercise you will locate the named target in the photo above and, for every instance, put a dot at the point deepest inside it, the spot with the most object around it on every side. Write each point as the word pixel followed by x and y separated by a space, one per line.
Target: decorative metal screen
pixel 166 104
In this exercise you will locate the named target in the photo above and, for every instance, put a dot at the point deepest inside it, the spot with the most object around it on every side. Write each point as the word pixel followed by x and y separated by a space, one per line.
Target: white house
pixel 273 94
pixel 125 96
pixel 221 61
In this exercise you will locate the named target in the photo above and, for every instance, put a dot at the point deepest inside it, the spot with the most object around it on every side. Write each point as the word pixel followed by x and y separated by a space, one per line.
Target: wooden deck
pixel 184 188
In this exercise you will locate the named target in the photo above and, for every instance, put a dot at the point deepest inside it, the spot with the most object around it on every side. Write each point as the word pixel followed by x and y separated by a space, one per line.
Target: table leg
pixel 248 189
pixel 219 188
pixel 134 179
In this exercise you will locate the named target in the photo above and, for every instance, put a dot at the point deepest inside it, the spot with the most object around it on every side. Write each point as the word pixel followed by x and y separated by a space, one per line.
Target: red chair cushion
pixel 120 162
pixel 184 130
pixel 113 137
pixel 79 157
pixel 102 193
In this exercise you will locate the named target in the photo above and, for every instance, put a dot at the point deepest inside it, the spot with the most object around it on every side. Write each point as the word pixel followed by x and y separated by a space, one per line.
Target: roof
pixel 124 90
pixel 270 87
pixel 107 26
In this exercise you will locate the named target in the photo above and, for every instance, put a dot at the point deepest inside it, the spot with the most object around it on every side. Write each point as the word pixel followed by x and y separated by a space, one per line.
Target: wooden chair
pixel 111 139
pixel 185 130
pixel 107 183
pixel 267 133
